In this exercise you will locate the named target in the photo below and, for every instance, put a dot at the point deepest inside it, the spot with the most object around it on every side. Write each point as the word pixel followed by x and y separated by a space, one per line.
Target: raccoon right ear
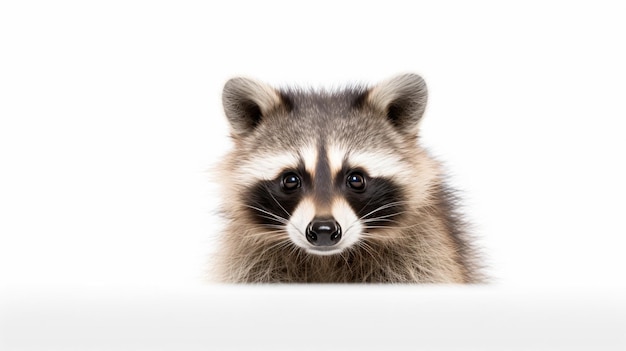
pixel 246 102
pixel 402 99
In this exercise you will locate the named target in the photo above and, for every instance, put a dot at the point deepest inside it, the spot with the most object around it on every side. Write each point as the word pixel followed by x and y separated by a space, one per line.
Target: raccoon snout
pixel 323 232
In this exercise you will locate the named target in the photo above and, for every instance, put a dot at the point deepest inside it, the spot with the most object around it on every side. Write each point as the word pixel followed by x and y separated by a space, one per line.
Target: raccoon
pixel 333 186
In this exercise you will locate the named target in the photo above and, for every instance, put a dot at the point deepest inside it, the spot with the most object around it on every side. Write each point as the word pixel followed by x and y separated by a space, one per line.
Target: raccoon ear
pixel 246 102
pixel 402 99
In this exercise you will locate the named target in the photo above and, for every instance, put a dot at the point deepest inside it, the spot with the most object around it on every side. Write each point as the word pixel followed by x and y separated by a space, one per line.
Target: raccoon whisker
pixel 382 218
pixel 295 250
pixel 380 227
pixel 385 206
pixel 376 220
pixel 275 226
pixel 282 219
pixel 278 203
pixel 351 225
pixel 272 219
pixel 270 234
pixel 266 232
pixel 369 220
pixel 385 238
pixel 367 248
pixel 389 215
pixel 390 227
pixel 366 204
pixel 296 228
pixel 292 249
pixel 283 244
pixel 275 216
pixel 269 242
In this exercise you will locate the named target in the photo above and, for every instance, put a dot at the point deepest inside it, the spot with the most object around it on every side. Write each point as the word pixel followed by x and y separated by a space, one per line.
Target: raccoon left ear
pixel 402 99
pixel 246 102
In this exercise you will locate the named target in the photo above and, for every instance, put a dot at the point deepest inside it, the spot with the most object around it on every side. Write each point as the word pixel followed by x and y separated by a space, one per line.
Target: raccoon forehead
pixel 269 165
pixel 377 163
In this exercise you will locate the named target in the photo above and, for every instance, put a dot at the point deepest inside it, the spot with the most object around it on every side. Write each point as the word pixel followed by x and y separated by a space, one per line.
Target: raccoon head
pixel 325 171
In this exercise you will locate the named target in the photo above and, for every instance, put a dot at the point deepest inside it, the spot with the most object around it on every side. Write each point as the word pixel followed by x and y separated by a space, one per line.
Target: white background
pixel 110 119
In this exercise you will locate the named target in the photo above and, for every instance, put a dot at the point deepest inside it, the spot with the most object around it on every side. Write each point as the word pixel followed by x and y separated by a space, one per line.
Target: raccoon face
pixel 328 171
pixel 325 205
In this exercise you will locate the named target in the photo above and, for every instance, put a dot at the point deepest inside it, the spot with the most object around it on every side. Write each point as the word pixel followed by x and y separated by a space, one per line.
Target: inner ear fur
pixel 401 99
pixel 246 102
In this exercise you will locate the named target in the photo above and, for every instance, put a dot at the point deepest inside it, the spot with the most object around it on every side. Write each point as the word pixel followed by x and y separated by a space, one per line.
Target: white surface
pixel 110 117
pixel 315 318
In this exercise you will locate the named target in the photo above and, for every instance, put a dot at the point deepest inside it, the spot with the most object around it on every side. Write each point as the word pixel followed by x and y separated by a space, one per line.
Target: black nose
pixel 323 232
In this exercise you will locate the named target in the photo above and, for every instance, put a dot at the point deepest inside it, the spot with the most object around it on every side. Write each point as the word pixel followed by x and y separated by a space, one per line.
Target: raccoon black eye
pixel 356 181
pixel 290 182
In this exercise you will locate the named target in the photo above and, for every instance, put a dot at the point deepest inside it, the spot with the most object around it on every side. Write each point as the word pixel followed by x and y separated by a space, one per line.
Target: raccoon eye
pixel 290 182
pixel 356 181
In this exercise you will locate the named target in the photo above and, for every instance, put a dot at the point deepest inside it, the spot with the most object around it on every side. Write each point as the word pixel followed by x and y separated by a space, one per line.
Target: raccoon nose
pixel 323 232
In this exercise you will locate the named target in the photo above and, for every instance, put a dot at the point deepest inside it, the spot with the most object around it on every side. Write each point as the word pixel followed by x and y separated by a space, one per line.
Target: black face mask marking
pixel 379 204
pixel 270 203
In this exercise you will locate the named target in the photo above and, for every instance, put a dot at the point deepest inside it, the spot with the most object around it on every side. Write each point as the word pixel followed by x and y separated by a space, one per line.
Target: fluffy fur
pixel 402 228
